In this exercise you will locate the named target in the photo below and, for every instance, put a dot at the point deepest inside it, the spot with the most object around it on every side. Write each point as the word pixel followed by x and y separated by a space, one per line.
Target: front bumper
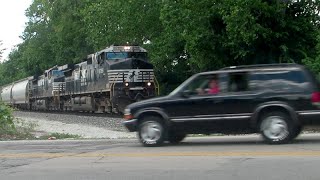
pixel 131 125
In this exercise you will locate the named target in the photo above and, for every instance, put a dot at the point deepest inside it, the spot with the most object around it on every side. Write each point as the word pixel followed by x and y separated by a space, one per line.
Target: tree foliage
pixel 183 36
pixel 1 50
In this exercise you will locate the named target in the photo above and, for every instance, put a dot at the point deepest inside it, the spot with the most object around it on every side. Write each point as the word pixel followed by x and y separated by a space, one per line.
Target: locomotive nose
pixel 132 63
pixel 140 64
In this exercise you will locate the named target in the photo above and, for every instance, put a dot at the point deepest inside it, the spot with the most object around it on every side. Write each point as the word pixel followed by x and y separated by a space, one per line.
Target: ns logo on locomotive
pixel 106 81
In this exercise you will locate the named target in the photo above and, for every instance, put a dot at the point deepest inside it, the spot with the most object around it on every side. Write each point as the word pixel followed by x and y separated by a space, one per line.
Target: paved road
pixel 221 158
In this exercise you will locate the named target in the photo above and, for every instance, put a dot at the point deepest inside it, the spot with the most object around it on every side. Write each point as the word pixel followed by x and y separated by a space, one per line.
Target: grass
pixel 20 131
pixel 15 136
pixel 60 136
pixel 26 131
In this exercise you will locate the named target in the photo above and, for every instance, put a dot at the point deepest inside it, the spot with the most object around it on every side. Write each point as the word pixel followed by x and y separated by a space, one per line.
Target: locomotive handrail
pixel 112 89
pixel 156 84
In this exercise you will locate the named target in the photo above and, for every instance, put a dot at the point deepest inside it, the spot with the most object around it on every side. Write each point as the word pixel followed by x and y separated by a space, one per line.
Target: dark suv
pixel 276 100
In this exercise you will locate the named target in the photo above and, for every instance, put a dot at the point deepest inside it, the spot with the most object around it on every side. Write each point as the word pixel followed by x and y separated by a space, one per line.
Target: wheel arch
pixel 274 106
pixel 153 112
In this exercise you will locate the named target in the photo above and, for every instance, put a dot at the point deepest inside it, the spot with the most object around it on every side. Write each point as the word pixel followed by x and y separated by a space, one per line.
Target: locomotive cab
pixel 130 74
pixel 58 76
pixel 129 63
pixel 125 57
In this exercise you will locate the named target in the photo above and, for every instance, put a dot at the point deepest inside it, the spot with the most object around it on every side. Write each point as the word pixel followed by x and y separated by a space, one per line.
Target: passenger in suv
pixel 275 100
pixel 213 88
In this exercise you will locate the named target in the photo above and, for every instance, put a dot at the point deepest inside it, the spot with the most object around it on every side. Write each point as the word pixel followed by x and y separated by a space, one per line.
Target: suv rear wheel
pixel 151 131
pixel 298 131
pixel 277 128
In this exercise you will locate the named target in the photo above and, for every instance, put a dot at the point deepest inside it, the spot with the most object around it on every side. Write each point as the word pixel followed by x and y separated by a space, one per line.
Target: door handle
pixel 218 101
pixel 214 100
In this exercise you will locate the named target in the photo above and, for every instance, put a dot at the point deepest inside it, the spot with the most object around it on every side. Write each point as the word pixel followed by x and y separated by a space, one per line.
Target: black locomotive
pixel 107 81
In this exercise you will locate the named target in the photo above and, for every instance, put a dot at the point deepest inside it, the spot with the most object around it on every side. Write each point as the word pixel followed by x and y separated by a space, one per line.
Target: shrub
pixel 6 120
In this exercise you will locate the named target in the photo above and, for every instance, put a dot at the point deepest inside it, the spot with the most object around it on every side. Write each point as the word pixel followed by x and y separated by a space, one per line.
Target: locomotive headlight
pixel 149 83
pixel 126 84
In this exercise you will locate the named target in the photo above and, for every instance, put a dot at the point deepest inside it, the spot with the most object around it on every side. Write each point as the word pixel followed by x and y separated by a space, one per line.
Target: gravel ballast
pixel 83 125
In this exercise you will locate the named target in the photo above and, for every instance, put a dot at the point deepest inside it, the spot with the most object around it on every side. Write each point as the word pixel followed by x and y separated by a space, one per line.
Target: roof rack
pixel 259 66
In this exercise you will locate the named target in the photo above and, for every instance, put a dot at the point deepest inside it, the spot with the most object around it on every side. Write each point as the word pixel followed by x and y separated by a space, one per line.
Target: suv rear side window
pixel 277 80
pixel 238 82
pixel 293 76
pixel 314 79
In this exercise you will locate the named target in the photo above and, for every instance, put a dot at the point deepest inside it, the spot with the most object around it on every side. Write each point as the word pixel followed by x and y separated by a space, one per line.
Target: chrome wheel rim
pixel 275 128
pixel 151 131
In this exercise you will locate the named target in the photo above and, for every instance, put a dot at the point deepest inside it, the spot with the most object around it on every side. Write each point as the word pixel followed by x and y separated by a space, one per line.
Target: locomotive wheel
pixel 139 98
pixel 123 103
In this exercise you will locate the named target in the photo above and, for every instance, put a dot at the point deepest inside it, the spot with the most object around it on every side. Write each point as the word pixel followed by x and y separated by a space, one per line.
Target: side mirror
pixel 186 93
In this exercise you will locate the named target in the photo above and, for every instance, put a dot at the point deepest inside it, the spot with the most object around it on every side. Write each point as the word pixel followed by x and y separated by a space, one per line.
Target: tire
pixel 277 128
pixel 175 138
pixel 151 131
pixel 297 131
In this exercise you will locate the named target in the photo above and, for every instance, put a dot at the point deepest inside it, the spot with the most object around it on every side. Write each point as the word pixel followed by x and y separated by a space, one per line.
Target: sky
pixel 12 22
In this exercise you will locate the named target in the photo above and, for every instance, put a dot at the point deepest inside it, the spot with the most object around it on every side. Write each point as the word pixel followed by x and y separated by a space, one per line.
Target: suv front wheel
pixel 151 131
pixel 277 128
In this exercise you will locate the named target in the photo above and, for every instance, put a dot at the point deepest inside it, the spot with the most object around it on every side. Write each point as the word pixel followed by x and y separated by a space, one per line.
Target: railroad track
pixel 76 113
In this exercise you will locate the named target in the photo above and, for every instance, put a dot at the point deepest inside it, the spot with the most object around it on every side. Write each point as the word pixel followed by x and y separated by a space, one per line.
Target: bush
pixel 6 120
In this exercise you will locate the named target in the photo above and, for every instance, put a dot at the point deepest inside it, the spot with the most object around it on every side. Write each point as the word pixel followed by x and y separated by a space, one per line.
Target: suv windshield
pixel 181 87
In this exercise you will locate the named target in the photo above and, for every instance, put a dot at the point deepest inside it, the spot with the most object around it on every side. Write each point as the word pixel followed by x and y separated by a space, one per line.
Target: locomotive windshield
pixel 124 55
pixel 57 73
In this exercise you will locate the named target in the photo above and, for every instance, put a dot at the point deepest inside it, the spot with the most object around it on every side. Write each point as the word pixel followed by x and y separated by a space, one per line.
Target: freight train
pixel 106 81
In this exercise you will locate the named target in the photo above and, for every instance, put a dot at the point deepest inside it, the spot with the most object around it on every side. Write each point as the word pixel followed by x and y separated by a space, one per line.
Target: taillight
pixel 315 98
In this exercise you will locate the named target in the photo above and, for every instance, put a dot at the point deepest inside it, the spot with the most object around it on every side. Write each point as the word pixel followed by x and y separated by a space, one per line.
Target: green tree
pixel 69 33
pixel 56 26
pixel 1 50
pixel 222 33
pixel 54 36
pixel 121 22
pixel 182 37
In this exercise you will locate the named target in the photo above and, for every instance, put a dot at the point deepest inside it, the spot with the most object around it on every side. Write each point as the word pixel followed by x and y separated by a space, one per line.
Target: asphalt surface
pixel 221 158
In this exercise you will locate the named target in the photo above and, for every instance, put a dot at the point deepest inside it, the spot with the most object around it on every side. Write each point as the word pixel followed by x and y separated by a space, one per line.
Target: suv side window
pixel 211 84
pixel 238 82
